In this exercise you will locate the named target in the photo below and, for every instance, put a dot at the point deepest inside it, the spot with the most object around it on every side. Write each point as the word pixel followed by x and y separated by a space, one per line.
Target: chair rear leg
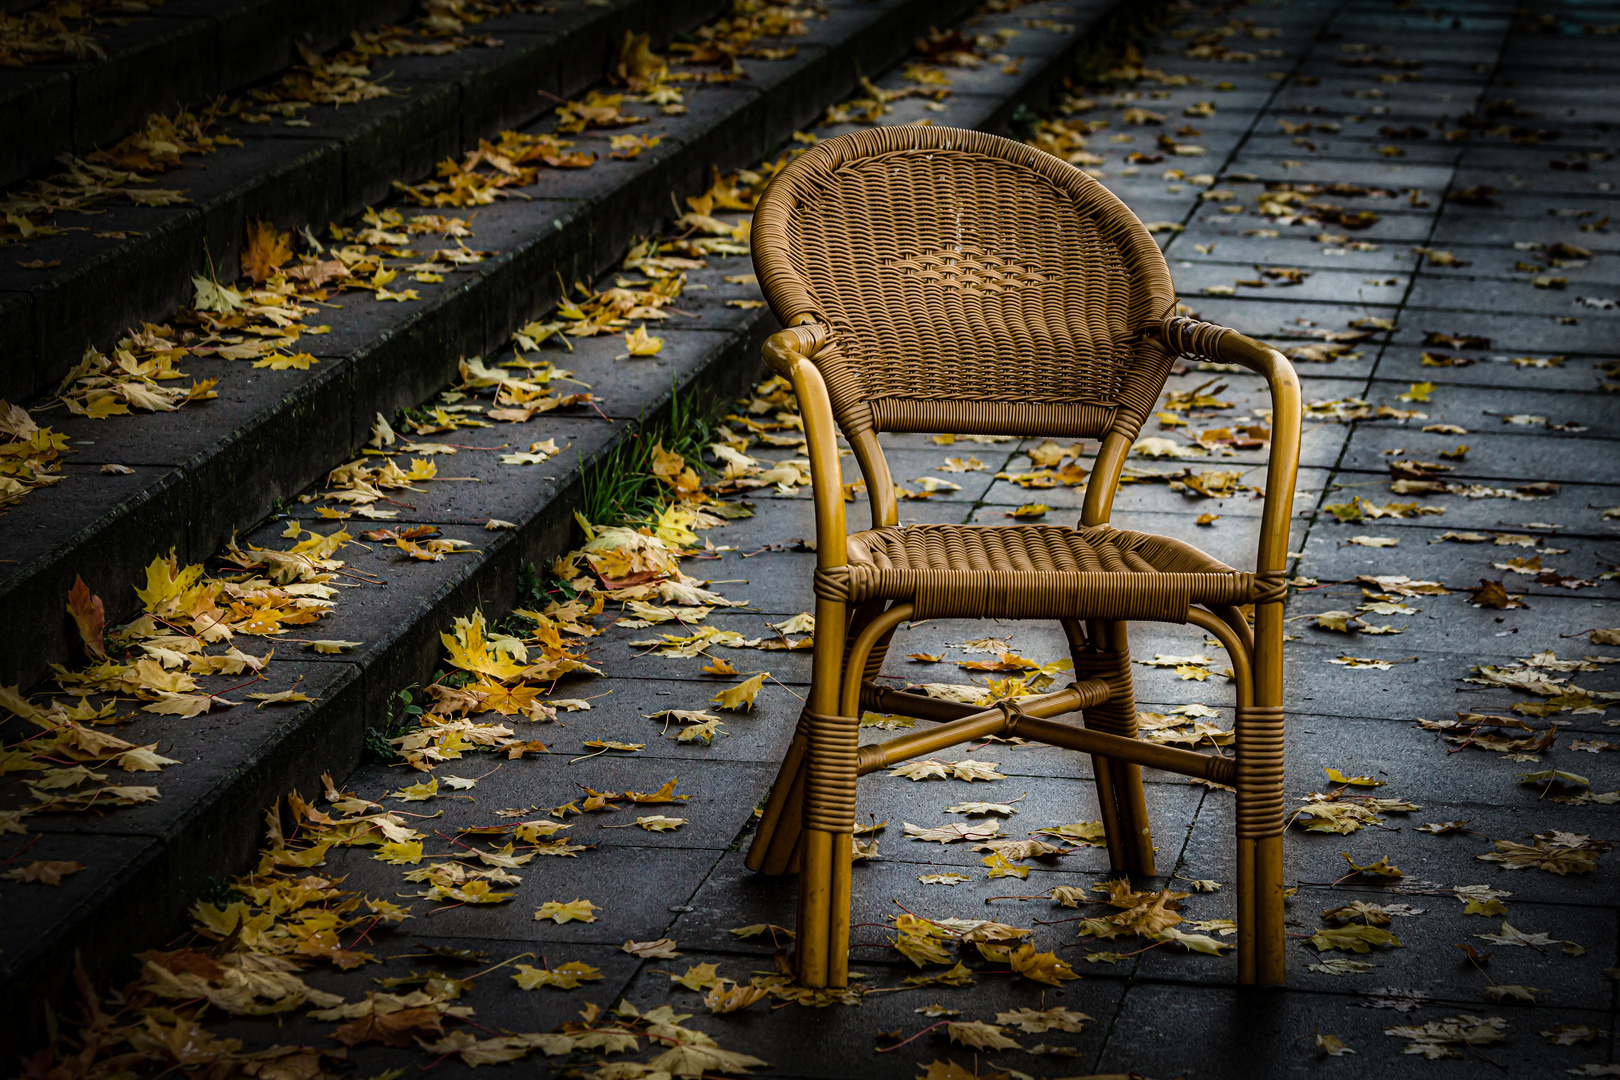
pixel 775 848
pixel 1119 783
pixel 780 822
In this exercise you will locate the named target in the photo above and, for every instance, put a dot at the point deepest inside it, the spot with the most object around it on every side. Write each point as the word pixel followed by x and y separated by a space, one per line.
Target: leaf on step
pixel 574 911
pixel 563 977
pixel 1337 777
pixel 1000 867
pixel 267 248
pixel 1042 967
pixel 956 830
pixel 1381 868
pixel 43 871
pixel 1332 1045
pixel 1035 1022
pixel 660 823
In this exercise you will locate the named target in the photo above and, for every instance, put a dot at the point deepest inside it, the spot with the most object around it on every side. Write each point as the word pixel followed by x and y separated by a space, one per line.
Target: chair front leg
pixel 1260 809
pixel 829 809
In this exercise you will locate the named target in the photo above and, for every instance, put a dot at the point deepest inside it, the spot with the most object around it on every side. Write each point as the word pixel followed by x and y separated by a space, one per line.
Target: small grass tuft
pixel 620 488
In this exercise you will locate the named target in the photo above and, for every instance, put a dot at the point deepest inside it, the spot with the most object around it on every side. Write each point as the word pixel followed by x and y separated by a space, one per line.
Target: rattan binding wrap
pixel 1117 715
pixel 829 792
pixel 1193 339
pixel 1260 771
pixel 968 283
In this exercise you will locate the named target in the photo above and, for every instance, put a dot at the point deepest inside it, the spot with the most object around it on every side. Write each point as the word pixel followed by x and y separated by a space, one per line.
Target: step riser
pixel 332 414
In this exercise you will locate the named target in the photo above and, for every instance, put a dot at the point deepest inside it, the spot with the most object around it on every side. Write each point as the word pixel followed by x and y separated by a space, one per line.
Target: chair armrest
pixel 789 353
pixel 1189 337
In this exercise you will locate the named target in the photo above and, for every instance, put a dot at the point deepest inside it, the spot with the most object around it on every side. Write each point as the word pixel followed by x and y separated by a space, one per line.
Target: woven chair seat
pixel 1036 572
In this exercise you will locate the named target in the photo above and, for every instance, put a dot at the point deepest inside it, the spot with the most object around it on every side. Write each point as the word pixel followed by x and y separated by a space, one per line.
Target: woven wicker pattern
pixel 1033 571
pixel 954 268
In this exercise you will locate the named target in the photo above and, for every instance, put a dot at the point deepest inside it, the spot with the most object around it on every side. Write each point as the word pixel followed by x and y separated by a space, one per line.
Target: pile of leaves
pixel 28 454
pixel 249 950
pixel 937 941
pixel 119 172
pixel 193 625
pixel 60 30
pixel 261 317
pixel 1152 915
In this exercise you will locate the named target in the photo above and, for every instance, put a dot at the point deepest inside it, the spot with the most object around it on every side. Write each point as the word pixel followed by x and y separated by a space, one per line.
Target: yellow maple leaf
pixel 470 651
pixel 400 852
pixel 172 704
pixel 286 697
pixel 1043 967
pixel 283 362
pixel 167 582
pixel 1000 867
pixel 665 794
pixel 563 976
pixel 417 792
pixel 641 343
pixel 105 406
pixel 740 697
pixel 574 911
pixel 698 976
pixel 660 823
pixel 267 248
pixel 1338 777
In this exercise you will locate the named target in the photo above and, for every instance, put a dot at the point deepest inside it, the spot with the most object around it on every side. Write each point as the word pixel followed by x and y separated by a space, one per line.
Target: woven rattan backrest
pixel 968 283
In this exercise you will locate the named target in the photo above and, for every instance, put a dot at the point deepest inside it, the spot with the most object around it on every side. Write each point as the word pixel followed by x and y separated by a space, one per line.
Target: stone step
pixel 322 165
pixel 146 864
pixel 206 471
pixel 178 54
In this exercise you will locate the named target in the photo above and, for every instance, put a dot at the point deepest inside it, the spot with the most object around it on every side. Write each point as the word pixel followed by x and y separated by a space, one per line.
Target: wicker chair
pixel 938 280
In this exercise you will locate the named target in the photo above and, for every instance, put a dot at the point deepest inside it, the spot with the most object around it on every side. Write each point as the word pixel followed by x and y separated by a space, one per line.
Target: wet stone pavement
pixel 1416 205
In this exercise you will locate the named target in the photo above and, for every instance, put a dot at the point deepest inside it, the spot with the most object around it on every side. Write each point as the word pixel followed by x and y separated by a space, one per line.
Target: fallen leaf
pixel 574 911
pixel 741 697
pixel 1332 1045
pixel 89 615
pixel 660 823
pixel 979 1035
pixel 43 871
pixel 563 977
pixel 1353 938
pixel 697 977
pixel 943 879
